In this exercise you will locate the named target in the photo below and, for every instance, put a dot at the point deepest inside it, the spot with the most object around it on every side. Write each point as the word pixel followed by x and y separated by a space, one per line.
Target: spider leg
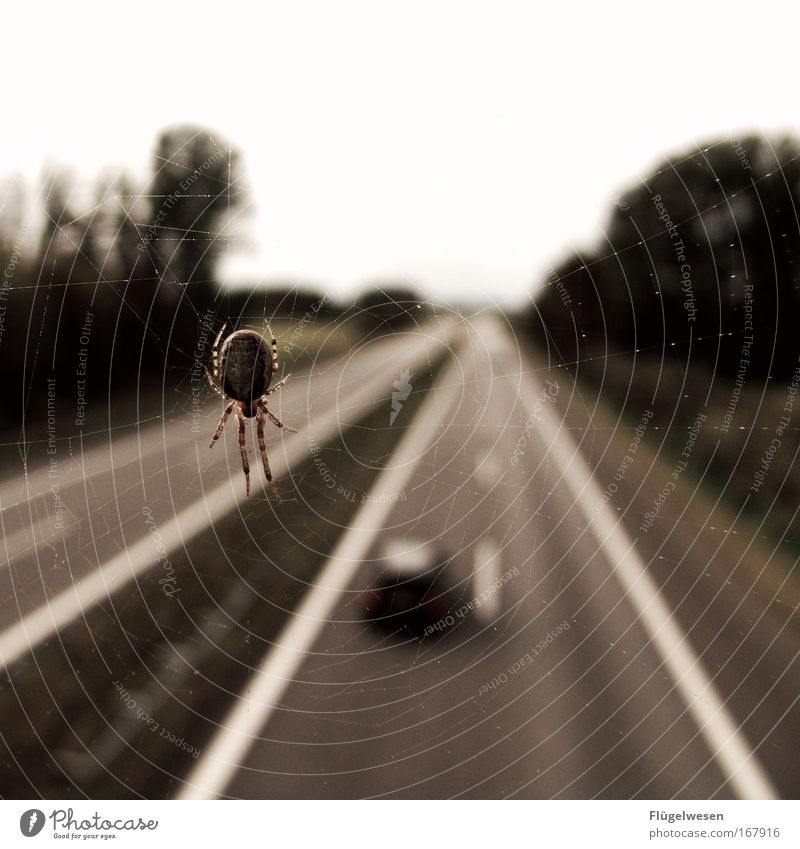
pixel 277 422
pixel 221 424
pixel 277 386
pixel 242 447
pixel 260 418
pixel 214 385
pixel 215 349
pixel 274 347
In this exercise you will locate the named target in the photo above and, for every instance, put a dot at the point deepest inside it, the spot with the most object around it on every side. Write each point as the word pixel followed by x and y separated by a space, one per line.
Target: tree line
pixel 106 300
pixel 112 289
pixel 701 256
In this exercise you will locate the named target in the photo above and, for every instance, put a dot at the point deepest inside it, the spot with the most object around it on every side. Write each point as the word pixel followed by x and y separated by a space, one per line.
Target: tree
pixel 389 303
pixel 703 250
pixel 196 188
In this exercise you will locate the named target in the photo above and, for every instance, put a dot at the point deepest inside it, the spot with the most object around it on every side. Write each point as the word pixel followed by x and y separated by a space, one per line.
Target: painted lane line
pixel 486 571
pixel 31 538
pixel 96 462
pixel 137 558
pixel 734 756
pixel 239 730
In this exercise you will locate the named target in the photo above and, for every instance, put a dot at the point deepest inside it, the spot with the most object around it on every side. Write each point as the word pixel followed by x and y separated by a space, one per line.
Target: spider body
pixel 246 363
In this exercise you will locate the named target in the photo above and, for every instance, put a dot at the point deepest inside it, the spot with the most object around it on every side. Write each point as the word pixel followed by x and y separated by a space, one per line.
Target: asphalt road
pixel 562 683
pixel 590 658
pixel 80 525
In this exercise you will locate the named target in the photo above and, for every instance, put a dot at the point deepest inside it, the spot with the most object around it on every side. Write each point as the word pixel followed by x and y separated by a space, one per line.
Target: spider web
pixel 202 619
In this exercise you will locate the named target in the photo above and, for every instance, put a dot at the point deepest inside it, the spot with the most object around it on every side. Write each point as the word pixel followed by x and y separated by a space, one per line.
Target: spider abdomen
pixel 245 366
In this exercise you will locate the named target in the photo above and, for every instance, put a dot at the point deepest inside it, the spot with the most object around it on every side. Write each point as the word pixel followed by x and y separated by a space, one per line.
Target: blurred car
pixel 411 594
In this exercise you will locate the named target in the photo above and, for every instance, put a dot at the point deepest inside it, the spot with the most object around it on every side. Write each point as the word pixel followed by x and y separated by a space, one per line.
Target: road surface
pixel 588 658
pixel 578 677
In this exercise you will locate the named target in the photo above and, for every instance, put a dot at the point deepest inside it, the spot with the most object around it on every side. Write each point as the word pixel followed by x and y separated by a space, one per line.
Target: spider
pixel 247 368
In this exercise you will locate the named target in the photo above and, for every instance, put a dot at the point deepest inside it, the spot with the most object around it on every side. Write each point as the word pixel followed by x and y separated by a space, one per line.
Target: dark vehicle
pixel 412 595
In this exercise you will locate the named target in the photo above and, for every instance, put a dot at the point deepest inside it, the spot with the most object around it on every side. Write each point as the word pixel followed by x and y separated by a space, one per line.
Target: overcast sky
pixel 463 145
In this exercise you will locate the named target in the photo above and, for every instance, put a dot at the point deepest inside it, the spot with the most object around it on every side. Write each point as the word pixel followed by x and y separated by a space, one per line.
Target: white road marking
pixel 489 470
pixel 735 758
pixel 68 605
pixel 239 730
pixel 35 536
pixel 485 576
pixel 128 448
pixel 72 469
pixel 89 463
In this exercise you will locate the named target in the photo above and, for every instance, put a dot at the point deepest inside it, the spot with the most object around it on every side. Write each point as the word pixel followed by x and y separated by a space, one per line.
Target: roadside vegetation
pixel 688 308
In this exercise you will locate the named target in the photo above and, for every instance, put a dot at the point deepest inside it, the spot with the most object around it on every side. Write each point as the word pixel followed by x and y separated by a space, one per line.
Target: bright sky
pixel 463 145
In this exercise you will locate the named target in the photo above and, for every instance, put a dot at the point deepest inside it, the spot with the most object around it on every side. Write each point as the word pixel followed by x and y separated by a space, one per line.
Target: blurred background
pixel 617 186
